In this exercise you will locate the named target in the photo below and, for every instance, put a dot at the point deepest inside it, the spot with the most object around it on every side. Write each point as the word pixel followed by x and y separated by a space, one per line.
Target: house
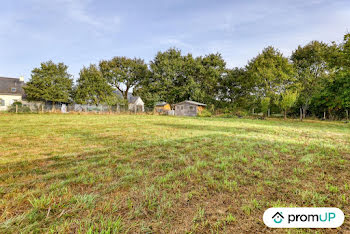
pixel 11 90
pixel 135 103
pixel 162 107
pixel 188 108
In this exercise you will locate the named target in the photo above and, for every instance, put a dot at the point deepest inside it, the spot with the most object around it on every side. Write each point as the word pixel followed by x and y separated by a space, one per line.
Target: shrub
pixel 20 106
pixel 205 113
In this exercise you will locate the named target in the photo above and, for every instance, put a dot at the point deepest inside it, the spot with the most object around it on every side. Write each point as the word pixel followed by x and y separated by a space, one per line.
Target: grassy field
pixel 159 174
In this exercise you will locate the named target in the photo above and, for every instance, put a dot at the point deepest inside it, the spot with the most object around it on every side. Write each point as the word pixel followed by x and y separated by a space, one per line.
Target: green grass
pixel 151 174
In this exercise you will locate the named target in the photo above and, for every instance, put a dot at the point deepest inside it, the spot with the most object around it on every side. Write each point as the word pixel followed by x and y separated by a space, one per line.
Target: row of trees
pixel 97 84
pixel 314 80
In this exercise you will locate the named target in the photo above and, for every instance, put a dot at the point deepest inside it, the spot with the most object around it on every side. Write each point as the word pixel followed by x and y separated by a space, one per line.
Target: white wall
pixel 9 99
pixel 138 102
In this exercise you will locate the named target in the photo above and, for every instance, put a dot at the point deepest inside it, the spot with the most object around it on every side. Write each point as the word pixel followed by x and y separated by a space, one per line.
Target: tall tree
pixel 272 74
pixel 334 95
pixel 92 87
pixel 175 77
pixel 209 75
pixel 172 77
pixel 235 87
pixel 124 73
pixel 312 64
pixel 49 82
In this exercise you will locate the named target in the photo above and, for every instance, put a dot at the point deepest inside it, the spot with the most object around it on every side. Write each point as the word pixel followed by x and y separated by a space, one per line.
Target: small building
pixel 162 107
pixel 188 108
pixel 135 103
pixel 11 90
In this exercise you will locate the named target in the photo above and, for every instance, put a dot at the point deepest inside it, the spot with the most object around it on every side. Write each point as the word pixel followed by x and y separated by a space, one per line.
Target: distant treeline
pixel 313 81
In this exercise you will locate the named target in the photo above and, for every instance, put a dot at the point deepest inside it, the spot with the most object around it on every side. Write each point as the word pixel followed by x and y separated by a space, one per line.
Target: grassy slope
pixel 165 174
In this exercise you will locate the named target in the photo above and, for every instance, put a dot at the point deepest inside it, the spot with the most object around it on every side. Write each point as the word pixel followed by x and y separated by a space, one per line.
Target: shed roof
pixel 161 103
pixel 131 99
pixel 6 85
pixel 192 103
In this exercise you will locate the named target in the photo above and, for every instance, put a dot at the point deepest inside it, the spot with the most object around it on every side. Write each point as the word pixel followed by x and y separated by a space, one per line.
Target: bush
pixel 21 108
pixel 205 113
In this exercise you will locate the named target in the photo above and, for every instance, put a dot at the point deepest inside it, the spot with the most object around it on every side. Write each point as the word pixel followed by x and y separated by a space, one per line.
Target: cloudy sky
pixel 80 32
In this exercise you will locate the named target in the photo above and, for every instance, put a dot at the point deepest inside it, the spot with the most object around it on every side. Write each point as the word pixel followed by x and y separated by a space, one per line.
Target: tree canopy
pixel 49 82
pixel 123 73
pixel 315 78
pixel 92 87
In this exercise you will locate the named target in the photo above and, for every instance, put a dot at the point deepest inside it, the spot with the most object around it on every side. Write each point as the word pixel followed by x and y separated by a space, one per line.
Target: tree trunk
pixel 253 111
pixel 324 115
pixel 125 94
pixel 268 112
pixel 301 114
pixel 53 107
pixel 285 114
pixel 347 115
pixel 16 108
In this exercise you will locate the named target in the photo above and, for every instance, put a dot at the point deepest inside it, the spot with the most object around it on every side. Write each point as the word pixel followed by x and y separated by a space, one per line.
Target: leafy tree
pixel 313 66
pixel 334 96
pixel 288 99
pixel 271 72
pixel 50 82
pixel 175 77
pixel 235 87
pixel 124 73
pixel 172 77
pixel 92 88
pixel 211 69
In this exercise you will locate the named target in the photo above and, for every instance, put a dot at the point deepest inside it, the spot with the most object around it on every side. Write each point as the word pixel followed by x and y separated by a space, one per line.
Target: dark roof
pixel 131 98
pixel 191 102
pixel 161 103
pixel 11 86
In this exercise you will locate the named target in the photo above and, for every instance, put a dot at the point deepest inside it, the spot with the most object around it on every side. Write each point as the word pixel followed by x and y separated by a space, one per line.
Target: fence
pixel 41 107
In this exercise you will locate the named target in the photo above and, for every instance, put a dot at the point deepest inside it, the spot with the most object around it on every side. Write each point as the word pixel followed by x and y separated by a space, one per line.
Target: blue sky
pixel 80 32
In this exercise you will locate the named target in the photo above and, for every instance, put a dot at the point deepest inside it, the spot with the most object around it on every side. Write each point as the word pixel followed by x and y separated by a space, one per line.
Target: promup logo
pixel 278 217
pixel 303 217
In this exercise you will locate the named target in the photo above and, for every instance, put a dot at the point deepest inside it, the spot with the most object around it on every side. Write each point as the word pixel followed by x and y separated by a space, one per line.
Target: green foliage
pixel 20 108
pixel 271 72
pixel 176 77
pixel 288 99
pixel 265 103
pixel 205 113
pixel 334 94
pixel 236 87
pixel 92 88
pixel 313 65
pixel 124 73
pixel 50 82
pixel 318 72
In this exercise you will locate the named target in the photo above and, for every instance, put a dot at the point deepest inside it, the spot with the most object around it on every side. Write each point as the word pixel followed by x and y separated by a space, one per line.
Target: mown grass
pixel 159 174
